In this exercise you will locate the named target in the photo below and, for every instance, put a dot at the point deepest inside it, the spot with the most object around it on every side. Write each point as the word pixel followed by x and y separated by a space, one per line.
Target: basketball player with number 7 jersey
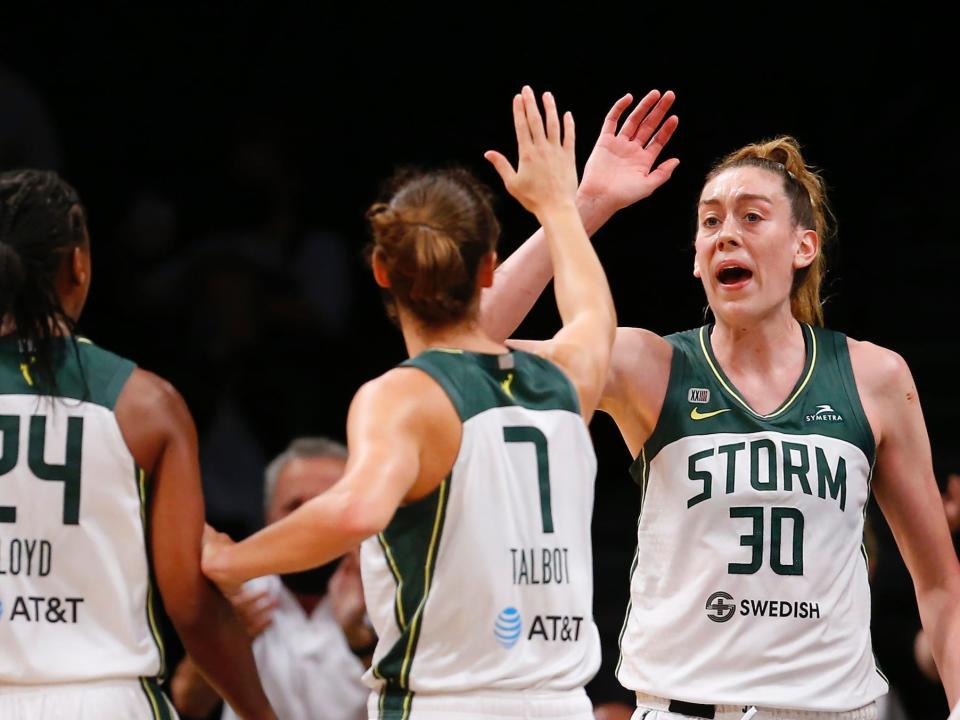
pixel 471 471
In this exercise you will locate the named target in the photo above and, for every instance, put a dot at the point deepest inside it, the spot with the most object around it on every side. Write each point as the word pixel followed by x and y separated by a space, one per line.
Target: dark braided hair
pixel 41 221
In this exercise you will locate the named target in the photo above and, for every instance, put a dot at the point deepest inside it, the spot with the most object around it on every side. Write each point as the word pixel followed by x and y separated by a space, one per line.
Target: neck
pixel 758 345
pixel 463 335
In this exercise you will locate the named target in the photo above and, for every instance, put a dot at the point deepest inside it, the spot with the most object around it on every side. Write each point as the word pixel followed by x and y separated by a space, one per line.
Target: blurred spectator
pixel 312 639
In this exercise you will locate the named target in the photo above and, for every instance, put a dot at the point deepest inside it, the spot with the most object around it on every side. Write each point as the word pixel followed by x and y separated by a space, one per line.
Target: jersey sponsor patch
pixel 508 627
pixel 721 607
pixel 698 395
pixel 823 413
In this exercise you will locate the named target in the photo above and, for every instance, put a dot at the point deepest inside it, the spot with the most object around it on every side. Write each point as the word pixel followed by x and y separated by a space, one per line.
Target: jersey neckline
pixel 810 361
pixel 494 361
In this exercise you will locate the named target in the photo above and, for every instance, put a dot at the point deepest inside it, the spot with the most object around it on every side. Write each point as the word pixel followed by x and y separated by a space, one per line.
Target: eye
pixel 710 221
pixel 752 217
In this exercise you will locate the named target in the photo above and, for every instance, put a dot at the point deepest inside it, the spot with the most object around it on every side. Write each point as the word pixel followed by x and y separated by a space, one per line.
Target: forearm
pixel 940 614
pixel 580 283
pixel 319 531
pixel 521 279
pixel 221 652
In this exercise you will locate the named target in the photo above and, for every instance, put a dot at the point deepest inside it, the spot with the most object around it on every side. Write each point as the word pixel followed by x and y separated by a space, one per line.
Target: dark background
pixel 226 154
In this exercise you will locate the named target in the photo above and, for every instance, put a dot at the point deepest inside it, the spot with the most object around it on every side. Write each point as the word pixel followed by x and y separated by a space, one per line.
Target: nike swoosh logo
pixel 695 414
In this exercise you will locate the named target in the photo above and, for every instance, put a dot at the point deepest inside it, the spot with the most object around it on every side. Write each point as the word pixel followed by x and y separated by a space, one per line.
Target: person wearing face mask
pixel 758 439
pixel 312 637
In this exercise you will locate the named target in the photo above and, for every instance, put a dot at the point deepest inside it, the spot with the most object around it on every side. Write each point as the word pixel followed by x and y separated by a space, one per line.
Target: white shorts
pixel 484 705
pixel 97 700
pixel 650 707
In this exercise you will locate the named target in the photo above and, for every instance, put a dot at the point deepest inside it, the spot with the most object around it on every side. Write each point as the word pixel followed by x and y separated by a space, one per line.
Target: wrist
pixel 560 211
pixel 593 212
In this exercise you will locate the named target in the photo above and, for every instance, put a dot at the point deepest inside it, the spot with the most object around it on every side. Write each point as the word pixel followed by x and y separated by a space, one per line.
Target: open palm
pixel 622 168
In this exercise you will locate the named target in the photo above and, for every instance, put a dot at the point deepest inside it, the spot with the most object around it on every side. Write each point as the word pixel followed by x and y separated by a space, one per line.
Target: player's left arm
pixel 385 433
pixel 906 490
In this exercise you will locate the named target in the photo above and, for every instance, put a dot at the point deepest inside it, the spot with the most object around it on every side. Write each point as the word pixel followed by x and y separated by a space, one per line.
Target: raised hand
pixel 622 168
pixel 546 174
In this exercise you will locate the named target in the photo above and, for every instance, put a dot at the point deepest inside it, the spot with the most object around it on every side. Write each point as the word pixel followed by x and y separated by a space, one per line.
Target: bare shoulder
pixel 145 391
pixel 152 415
pixel 639 346
pixel 879 371
pixel 401 394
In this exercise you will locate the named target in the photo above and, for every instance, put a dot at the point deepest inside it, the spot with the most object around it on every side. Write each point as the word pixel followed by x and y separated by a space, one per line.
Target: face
pixel 300 480
pixel 748 247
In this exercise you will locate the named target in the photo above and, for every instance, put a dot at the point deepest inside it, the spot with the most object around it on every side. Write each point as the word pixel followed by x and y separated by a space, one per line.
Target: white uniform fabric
pixel 75 599
pixel 698 633
pixel 305 664
pixel 572 705
pixel 100 700
pixel 509 605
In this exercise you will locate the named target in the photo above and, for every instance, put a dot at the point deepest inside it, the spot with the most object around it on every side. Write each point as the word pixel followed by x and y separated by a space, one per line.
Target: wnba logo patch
pixel 698 395
pixel 508 627
pixel 720 606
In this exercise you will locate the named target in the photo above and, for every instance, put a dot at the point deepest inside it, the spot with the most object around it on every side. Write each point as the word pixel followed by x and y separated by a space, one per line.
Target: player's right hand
pixel 546 174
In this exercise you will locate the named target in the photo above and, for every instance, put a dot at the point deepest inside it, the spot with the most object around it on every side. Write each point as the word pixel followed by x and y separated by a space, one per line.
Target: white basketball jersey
pixel 750 585
pixel 76 602
pixel 487 582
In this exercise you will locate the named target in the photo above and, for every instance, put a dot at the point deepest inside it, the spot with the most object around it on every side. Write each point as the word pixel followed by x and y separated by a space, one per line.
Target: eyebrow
pixel 739 198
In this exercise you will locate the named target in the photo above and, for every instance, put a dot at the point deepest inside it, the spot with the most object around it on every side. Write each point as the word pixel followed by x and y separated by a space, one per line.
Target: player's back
pixel 486 583
pixel 76 601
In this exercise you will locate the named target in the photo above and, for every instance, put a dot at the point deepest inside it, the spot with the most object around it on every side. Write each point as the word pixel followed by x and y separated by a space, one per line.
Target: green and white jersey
pixel 76 602
pixel 487 582
pixel 750 584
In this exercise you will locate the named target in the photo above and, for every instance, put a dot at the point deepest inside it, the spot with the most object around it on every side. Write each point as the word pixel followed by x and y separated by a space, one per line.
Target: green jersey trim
pixel 476 382
pixel 412 555
pixel 810 341
pixel 159 707
pixel 141 479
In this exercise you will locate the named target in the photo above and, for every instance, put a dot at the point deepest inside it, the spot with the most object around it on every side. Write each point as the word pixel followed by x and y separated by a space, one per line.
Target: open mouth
pixel 733 275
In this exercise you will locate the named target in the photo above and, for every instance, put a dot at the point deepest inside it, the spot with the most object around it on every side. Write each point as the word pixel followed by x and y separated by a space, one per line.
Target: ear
pixel 79 266
pixel 486 270
pixel 696 269
pixel 808 248
pixel 380 274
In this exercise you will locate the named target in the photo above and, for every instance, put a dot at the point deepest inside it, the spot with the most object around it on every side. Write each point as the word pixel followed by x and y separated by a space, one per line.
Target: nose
pixel 729 235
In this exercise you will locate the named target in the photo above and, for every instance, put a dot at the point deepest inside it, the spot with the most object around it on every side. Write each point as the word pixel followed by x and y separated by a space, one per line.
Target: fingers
pixel 630 127
pixel 520 123
pixel 569 134
pixel 502 166
pixel 664 171
pixel 534 120
pixel 553 120
pixel 613 117
pixel 653 119
pixel 663 135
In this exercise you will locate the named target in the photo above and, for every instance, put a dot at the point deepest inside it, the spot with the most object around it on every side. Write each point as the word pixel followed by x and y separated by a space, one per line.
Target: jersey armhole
pixel 845 368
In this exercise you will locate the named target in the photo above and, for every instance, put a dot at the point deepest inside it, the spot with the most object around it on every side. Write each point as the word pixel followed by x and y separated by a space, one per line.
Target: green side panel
pixel 154 609
pixel 411 543
pixel 159 707
pixel 84 371
pixel 476 382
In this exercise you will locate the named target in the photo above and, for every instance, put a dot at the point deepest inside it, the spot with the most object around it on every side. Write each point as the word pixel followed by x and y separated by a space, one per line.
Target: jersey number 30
pixel 68 473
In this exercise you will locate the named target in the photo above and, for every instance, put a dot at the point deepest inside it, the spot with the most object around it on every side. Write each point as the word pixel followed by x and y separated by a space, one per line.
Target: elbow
pixel 363 517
